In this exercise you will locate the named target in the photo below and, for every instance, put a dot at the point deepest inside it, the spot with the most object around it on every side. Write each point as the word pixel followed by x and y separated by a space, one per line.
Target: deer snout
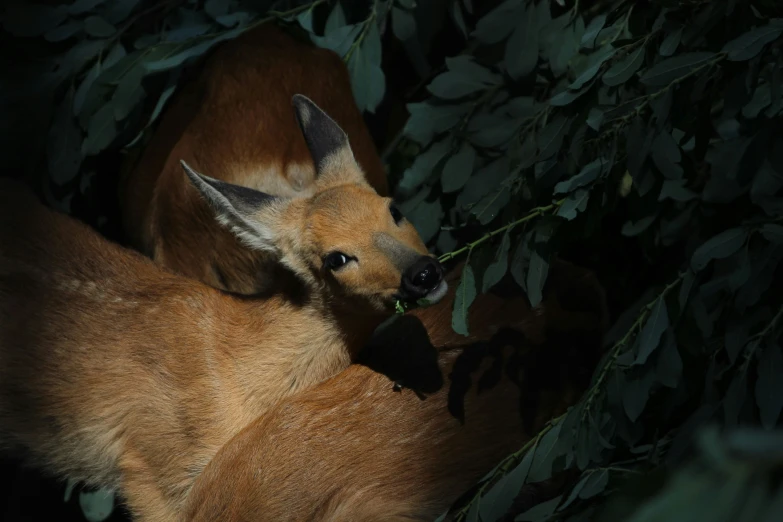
pixel 423 280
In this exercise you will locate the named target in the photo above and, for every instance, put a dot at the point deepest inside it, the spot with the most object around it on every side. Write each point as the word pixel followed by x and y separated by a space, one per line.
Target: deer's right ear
pixel 248 213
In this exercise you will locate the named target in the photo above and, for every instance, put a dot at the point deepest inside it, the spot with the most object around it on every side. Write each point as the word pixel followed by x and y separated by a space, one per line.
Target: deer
pixel 352 449
pixel 232 120
pixel 119 372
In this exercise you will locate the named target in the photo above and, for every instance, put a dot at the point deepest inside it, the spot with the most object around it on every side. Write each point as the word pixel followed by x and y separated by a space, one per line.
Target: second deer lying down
pixel 351 449
pixel 234 122
pixel 118 373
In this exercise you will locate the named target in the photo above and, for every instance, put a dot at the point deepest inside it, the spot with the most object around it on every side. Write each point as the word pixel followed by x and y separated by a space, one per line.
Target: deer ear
pixel 327 142
pixel 248 213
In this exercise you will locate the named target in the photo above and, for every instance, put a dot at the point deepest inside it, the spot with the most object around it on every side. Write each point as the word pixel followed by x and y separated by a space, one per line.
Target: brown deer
pixel 234 122
pixel 352 449
pixel 119 373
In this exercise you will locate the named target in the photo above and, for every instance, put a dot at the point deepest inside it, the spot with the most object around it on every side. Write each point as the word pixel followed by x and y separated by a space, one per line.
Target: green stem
pixel 538 211
pixel 619 345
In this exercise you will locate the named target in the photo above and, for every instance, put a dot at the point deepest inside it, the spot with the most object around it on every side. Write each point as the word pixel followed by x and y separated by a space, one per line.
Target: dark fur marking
pixel 244 200
pixel 321 133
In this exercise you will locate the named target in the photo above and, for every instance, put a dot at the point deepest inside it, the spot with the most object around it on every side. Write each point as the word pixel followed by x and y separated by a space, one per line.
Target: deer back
pixel 234 121
pixel 354 449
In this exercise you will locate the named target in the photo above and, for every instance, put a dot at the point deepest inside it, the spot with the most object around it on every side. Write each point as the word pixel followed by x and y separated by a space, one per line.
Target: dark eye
pixel 395 212
pixel 335 260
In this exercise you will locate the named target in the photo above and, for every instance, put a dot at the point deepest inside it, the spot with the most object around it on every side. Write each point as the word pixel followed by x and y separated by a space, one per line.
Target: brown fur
pixel 235 123
pixel 352 449
pixel 120 373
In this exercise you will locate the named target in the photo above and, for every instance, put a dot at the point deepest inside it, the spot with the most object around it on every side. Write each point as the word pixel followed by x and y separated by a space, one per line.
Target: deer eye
pixel 335 260
pixel 395 213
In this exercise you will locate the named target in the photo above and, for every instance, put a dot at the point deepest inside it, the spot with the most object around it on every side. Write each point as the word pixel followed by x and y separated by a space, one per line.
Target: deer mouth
pixel 436 294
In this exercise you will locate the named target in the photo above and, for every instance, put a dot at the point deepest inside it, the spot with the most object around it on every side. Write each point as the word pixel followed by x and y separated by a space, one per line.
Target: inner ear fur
pixel 250 214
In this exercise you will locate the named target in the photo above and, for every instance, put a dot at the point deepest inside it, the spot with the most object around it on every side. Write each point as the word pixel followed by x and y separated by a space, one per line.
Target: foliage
pixel 669 114
pixel 551 124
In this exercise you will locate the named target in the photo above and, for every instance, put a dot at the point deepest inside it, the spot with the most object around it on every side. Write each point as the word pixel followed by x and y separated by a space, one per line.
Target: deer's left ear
pixel 248 213
pixel 327 142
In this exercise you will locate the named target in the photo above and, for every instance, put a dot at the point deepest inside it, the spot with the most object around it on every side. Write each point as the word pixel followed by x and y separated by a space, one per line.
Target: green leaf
pixel 575 202
pixel 367 78
pixel 670 43
pixel 751 43
pixel 64 31
pixel 459 19
pixel 669 364
pixel 522 47
pixel 427 120
pixel 762 98
pixel 336 19
pixel 634 229
pixel 473 513
pixel 159 105
pixel 769 385
pixel 426 218
pixel 596 60
pixel 187 53
pixel 483 181
pixel 84 88
pixel 595 484
pixel 567 96
pixel 403 24
pixel 587 175
pixel 490 130
pixel 340 40
pixel 767 182
pixel 128 94
pixel 465 294
pixel 540 511
pixel 537 272
pixel 496 25
pixel 595 118
pixel 562 44
pixel 216 8
pixel 592 30
pixel 64 144
pixel 635 395
pixel 498 268
pixel 101 131
pixel 623 70
pixel 490 205
pixel 519 262
pixel 735 399
pixel 650 336
pixel 546 451
pixel 83 6
pixel 423 166
pixel 458 169
pixel 671 69
pixel 497 501
pixel 674 189
pixel 773 233
pixel 98 27
pixel 719 246
pixel 666 156
pixel 551 137
pixel 98 505
pixel 116 12
pixel 463 77
pixel 305 20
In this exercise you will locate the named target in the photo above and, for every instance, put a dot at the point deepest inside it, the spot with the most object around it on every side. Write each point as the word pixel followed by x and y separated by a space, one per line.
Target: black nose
pixel 421 278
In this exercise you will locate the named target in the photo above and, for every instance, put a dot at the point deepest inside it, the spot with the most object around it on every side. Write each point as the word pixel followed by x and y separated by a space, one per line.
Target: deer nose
pixel 421 278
